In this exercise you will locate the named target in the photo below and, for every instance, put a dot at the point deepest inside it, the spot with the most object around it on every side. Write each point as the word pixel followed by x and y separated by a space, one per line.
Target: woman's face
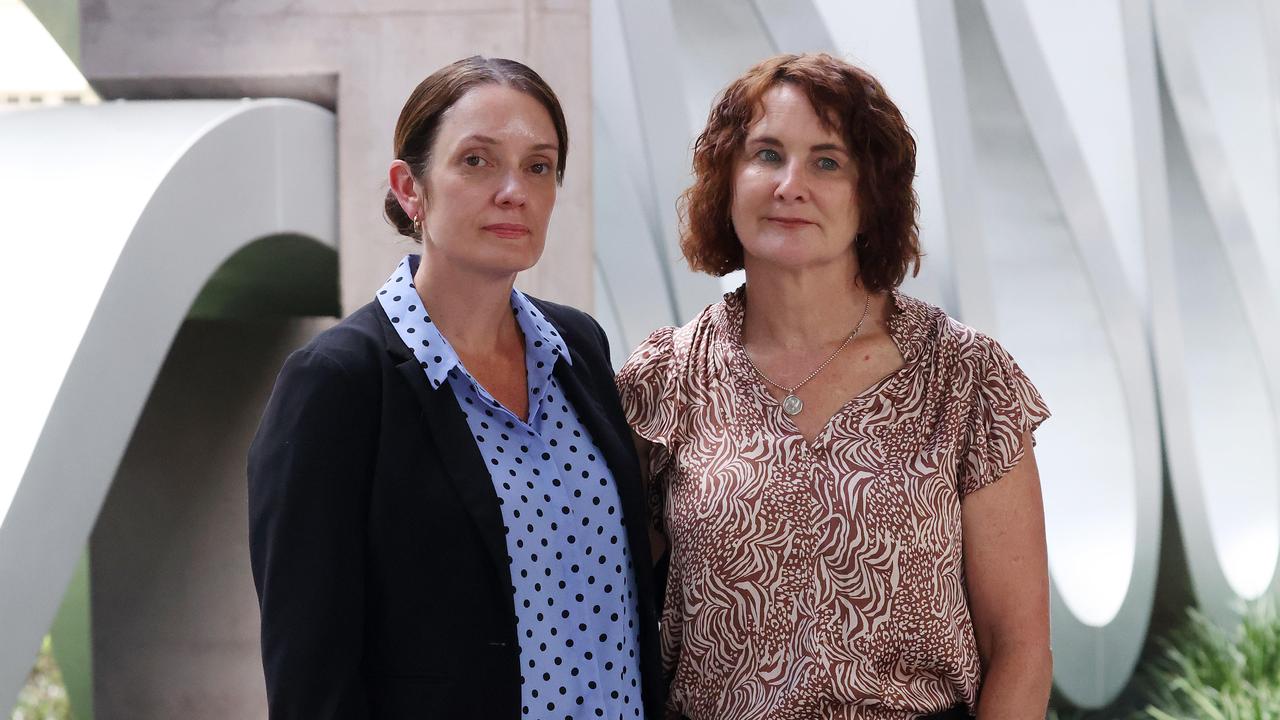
pixel 794 187
pixel 491 182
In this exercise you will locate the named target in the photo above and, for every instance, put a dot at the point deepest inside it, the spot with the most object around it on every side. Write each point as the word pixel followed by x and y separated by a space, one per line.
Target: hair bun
pixel 398 217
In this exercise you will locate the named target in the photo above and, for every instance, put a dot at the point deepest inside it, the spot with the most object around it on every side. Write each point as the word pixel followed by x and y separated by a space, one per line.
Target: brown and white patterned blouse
pixel 822 581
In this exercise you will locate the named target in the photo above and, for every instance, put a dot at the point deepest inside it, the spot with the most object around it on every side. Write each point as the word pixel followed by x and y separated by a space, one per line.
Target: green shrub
pixel 43 697
pixel 1205 672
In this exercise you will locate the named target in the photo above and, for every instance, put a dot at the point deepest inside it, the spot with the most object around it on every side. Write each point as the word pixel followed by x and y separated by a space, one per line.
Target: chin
pixel 790 255
pixel 793 253
pixel 509 262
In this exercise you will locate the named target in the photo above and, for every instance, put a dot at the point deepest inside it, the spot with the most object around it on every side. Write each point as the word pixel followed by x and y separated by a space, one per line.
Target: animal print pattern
pixel 822 581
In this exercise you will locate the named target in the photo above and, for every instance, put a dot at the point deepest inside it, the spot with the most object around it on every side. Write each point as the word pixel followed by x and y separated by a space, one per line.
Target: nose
pixel 792 185
pixel 512 192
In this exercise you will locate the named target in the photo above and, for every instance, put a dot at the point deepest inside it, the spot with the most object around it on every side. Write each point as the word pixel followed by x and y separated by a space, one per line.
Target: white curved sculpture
pixel 115 217
pixel 1223 319
pixel 1067 236
pixel 640 166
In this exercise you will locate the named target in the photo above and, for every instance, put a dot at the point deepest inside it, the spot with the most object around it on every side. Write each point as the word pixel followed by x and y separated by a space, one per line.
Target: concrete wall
pixel 175 617
pixel 62 19
pixel 361 57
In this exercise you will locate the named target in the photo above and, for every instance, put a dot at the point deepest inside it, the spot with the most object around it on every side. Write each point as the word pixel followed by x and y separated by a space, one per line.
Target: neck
pixel 804 309
pixel 472 310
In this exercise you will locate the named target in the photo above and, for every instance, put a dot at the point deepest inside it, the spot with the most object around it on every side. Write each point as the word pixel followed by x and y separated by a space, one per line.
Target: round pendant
pixel 792 405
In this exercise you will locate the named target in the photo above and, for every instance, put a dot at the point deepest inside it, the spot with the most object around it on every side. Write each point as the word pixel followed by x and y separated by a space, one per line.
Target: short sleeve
pixel 1005 406
pixel 647 385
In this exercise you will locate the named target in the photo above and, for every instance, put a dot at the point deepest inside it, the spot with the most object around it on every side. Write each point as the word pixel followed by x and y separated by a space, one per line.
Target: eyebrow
pixel 775 142
pixel 486 140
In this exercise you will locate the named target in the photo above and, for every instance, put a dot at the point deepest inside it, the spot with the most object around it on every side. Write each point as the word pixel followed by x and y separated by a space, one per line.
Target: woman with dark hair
pixel 843 474
pixel 446 514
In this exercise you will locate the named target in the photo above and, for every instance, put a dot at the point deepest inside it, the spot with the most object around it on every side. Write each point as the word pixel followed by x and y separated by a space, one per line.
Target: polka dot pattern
pixel 571 571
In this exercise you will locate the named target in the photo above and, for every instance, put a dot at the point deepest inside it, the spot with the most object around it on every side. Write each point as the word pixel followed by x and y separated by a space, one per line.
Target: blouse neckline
pixel 906 328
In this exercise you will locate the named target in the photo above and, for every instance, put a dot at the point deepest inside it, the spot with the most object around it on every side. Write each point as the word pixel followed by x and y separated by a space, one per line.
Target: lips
pixel 791 222
pixel 508 230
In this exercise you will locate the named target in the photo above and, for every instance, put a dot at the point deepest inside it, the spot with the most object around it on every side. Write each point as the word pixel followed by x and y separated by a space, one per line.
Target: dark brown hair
pixel 852 103
pixel 420 117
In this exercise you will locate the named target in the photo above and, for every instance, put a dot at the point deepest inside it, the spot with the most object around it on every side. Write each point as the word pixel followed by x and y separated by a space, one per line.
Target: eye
pixel 540 168
pixel 769 155
pixel 827 163
pixel 474 161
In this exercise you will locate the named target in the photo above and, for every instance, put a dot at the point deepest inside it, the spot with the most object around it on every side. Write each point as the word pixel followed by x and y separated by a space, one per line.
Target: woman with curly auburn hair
pixel 842 476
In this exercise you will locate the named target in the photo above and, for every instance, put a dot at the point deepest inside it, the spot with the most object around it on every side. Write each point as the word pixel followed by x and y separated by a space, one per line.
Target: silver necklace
pixel 791 404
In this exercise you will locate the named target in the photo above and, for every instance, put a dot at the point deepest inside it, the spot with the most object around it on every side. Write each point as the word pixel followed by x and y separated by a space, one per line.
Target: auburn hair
pixel 852 103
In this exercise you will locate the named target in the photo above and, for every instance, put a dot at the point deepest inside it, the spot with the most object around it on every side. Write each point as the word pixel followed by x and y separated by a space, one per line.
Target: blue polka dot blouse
pixel 571 571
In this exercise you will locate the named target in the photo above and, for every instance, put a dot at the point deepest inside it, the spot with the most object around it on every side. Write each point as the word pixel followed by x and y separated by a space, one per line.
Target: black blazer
pixel 376 539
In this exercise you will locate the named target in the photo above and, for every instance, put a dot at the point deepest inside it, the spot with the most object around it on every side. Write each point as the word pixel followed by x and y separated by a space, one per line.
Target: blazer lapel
pixel 448 431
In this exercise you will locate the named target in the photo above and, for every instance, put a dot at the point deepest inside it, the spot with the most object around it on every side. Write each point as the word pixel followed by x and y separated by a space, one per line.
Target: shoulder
pixel 353 348
pixel 670 351
pixel 979 358
pixel 573 324
pixel 326 384
pixel 976 370
pixel 665 367
pixel 647 387
pixel 650 361
pixel 582 335
pixel 960 351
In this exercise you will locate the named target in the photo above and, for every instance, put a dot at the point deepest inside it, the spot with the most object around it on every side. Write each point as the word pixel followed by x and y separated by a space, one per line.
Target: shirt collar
pixel 399 298
pixel 542 343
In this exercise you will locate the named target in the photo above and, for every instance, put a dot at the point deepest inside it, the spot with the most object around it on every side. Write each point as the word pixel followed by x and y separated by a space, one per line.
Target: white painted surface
pixel 119 213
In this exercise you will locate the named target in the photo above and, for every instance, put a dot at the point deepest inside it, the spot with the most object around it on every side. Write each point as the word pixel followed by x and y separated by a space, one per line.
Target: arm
pixel 652 494
pixel 307 509
pixel 1007 575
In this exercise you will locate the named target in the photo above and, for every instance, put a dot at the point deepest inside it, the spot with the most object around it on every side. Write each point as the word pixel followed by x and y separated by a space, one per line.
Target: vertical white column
pixel 1224 326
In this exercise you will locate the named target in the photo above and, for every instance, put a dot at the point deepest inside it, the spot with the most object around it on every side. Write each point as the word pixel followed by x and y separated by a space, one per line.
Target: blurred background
pixel 189 190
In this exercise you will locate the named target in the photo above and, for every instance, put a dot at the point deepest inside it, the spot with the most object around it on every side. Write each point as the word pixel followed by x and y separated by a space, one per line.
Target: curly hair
pixel 850 102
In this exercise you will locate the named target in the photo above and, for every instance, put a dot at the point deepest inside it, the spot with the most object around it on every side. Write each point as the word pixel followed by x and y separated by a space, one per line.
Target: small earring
pixel 417 224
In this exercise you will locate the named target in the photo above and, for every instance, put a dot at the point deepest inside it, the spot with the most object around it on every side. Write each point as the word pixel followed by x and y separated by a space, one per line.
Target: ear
pixel 406 188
